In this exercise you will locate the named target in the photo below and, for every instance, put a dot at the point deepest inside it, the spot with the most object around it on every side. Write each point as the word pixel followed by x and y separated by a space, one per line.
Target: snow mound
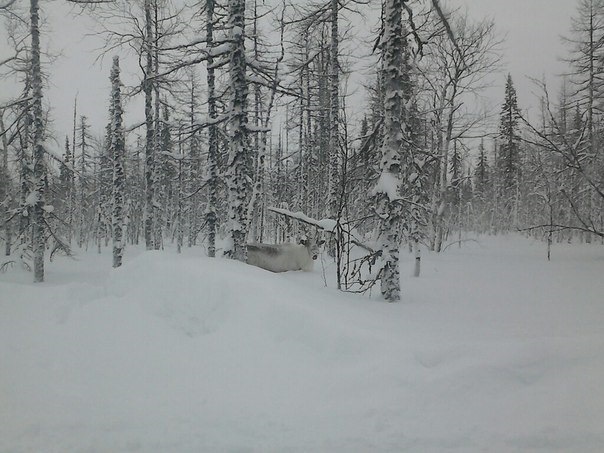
pixel 493 350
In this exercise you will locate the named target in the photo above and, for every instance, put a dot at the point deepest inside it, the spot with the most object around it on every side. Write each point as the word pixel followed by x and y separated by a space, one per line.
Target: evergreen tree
pixel 509 158
pixel 481 172
pixel 456 174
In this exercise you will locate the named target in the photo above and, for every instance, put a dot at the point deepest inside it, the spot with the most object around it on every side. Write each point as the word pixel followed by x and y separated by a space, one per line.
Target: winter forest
pixel 417 165
pixel 250 132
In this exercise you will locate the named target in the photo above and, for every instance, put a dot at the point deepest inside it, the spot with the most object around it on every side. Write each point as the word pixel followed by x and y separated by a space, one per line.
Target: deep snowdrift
pixel 493 349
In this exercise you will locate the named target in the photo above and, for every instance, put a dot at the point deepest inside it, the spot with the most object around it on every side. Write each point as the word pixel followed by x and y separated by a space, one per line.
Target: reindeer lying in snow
pixel 284 257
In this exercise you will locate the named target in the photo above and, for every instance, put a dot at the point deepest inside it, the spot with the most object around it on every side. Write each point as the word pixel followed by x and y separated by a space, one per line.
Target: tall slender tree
pixel 387 198
pixel 148 88
pixel 37 196
pixel 211 219
pixel 509 158
pixel 239 162
pixel 117 147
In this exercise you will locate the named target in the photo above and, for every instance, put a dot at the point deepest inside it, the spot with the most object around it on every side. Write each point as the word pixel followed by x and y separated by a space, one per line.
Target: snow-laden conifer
pixel 509 158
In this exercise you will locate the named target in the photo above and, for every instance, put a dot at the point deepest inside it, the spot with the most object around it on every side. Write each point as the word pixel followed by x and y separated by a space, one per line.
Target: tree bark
pixel 39 166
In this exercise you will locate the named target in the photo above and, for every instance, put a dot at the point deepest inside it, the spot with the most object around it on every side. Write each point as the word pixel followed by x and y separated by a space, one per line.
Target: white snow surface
pixel 493 349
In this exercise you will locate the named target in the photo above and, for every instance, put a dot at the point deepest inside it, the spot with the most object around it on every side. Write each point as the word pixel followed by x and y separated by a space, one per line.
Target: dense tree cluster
pixel 253 114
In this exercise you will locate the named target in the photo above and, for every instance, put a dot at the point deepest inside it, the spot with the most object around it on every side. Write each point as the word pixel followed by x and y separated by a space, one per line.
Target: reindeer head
pixel 313 245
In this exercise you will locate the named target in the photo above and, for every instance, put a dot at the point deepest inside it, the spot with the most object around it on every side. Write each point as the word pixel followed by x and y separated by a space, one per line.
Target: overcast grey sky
pixel 531 48
pixel 532 45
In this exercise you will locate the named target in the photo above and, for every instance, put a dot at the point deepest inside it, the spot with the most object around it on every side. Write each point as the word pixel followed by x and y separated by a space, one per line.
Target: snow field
pixel 492 349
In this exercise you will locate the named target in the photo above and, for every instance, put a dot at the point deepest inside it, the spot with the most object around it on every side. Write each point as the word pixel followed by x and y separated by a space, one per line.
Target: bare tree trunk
pixel 388 205
pixel 158 207
pixel 39 166
pixel 179 200
pixel 117 148
pixel 238 176
pixel 150 133
pixel 444 165
pixel 211 220
pixel 5 190
pixel 334 139
pixel 72 204
pixel 418 259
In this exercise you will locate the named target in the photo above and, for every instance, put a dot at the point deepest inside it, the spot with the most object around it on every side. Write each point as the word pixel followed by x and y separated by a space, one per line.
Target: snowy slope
pixel 493 349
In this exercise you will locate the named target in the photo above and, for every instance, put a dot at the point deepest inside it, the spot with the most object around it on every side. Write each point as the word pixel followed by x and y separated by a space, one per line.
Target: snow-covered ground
pixel 492 349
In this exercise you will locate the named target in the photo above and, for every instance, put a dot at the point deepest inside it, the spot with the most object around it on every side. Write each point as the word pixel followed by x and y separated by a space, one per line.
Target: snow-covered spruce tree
pixel 509 159
pixel 65 190
pixel 387 199
pixel 117 147
pixel 85 186
pixel 482 189
pixel 239 162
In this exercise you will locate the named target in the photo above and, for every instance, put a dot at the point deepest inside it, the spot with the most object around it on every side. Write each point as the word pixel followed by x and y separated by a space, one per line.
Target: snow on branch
pixel 328 225
pixel 387 184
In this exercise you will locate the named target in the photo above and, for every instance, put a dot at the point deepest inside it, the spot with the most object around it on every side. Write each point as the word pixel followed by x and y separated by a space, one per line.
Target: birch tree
pixel 386 192
pixel 239 162
pixel 117 147
pixel 334 103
